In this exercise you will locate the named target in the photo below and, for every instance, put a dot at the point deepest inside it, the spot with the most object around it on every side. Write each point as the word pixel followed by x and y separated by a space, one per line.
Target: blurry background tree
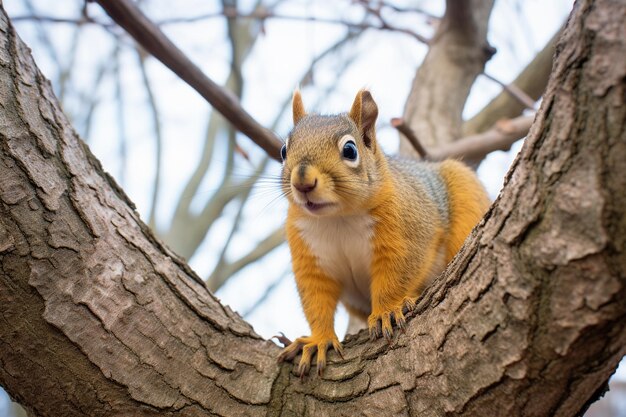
pixel 210 193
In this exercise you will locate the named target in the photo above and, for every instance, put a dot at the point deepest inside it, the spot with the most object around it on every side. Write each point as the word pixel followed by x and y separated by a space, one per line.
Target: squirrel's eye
pixel 283 152
pixel 349 151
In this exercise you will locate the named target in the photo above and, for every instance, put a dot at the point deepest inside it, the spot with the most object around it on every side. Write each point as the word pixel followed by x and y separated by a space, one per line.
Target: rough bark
pixel 456 56
pixel 98 318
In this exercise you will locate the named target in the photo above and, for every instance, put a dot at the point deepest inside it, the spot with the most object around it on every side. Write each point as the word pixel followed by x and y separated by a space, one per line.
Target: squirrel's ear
pixel 364 112
pixel 297 107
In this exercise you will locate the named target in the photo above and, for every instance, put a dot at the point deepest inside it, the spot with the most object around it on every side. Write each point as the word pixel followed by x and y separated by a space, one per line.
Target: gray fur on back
pixel 426 174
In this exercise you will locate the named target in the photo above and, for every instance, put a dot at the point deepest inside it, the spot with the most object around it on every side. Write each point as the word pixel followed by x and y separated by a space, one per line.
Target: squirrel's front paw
pixel 309 345
pixel 380 323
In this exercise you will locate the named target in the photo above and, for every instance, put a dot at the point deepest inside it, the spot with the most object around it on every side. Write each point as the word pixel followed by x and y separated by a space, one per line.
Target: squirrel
pixel 364 228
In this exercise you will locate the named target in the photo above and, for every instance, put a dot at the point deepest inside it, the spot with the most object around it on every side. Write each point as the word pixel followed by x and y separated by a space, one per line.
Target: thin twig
pixel 403 128
pixel 65 71
pixel 121 120
pixel 266 294
pixel 268 244
pixel 472 148
pixel 43 36
pixel 262 15
pixel 221 261
pixel 158 137
pixel 514 91
pixel 417 10
pixel 532 80
pixel 90 102
pixel 56 19
pixel 385 25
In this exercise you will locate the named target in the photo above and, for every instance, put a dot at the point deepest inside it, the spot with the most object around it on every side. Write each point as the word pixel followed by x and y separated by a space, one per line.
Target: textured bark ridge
pixel 98 318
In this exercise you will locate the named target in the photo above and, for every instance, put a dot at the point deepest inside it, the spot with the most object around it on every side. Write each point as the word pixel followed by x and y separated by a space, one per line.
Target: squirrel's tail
pixel 468 202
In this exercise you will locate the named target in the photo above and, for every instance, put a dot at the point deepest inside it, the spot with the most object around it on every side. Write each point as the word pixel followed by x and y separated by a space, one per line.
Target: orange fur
pixel 388 288
pixel 468 203
pixel 318 292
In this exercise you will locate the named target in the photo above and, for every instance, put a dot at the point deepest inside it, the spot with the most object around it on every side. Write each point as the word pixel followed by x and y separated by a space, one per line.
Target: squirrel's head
pixel 331 164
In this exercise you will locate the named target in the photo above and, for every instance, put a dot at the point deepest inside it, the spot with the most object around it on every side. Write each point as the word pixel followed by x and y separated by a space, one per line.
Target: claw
pixel 282 339
pixel 380 324
pixel 375 327
pixel 309 347
pixel 408 304
pixel 303 369
pixel 321 365
pixel 388 335
pixel 401 323
pixel 375 332
pixel 338 348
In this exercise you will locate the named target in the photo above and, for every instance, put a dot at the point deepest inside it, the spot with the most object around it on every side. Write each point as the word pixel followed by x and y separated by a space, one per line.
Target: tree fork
pixel 99 318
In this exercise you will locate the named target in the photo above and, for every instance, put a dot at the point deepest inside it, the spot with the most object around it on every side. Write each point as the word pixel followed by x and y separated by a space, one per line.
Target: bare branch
pixel 266 294
pixel 271 242
pixel 475 147
pixel 150 37
pixel 43 36
pixel 121 119
pixel 56 19
pixel 158 136
pixel 457 55
pixel 515 92
pixel 90 102
pixel 532 80
pixel 261 15
pixel 385 25
pixel 184 224
pixel 399 9
pixel 221 261
pixel 403 128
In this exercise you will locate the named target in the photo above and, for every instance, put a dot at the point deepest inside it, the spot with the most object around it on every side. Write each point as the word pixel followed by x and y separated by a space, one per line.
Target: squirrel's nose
pixel 305 187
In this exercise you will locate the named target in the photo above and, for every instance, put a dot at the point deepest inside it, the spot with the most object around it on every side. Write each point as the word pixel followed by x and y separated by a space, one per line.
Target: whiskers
pixel 257 189
pixel 351 186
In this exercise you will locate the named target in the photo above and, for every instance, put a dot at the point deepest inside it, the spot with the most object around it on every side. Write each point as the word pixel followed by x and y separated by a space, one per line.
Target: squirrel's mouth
pixel 316 207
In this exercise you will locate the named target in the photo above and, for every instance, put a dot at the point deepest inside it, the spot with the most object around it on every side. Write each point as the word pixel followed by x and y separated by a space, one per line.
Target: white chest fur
pixel 343 249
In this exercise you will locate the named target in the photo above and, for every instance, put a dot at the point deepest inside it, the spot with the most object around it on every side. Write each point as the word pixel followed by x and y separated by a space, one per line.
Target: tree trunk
pixel 456 56
pixel 99 318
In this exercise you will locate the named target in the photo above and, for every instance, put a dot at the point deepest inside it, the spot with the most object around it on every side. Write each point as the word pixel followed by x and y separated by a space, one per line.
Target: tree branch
pixel 476 147
pixel 150 37
pixel 532 81
pixel 472 148
pixel 268 244
pixel 408 133
pixel 457 55
pixel 121 118
pixel 187 230
pixel 158 137
pixel 266 294
pixel 514 91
